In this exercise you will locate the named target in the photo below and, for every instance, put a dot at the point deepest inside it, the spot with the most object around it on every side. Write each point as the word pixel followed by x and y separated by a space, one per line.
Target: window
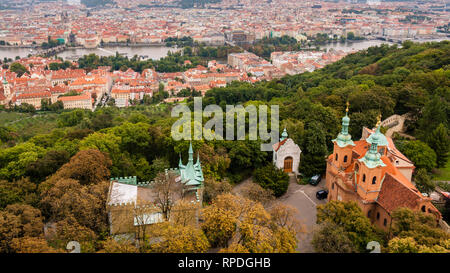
pixel 332 186
pixel 374 180
pixel 364 178
pixel 369 213
pixel 345 159
pixel 385 222
pixel 423 208
pixel 336 157
pixel 378 215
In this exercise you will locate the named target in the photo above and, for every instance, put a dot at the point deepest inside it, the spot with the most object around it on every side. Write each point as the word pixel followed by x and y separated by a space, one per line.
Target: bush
pixel 269 177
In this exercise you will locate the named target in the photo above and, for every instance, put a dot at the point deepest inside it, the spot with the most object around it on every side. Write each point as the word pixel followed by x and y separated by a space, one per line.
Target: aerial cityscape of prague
pixel 206 127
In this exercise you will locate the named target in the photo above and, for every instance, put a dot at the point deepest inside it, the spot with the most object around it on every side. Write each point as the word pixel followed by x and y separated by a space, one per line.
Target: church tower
pixel 343 145
pixel 369 169
pixel 6 87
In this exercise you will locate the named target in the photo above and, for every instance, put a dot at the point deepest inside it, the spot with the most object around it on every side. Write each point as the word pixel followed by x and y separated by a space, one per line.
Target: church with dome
pixel 375 174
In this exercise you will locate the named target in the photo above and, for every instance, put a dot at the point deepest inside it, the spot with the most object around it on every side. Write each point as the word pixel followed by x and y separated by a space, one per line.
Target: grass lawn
pixel 9 117
pixel 443 173
pixel 28 125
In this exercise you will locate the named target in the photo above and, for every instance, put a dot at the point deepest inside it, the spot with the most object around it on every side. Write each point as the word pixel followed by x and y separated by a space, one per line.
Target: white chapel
pixel 286 154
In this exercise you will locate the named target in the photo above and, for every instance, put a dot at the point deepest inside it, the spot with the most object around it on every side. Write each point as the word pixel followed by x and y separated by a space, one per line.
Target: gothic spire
pixel 191 153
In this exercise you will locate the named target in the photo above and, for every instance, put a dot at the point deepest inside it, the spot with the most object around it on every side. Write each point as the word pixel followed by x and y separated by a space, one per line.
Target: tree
pixel 349 216
pixel 73 203
pixel 32 245
pixel 403 245
pixel 185 213
pixel 16 221
pixel 14 160
pixel 111 245
pixel 87 166
pixel 233 220
pixel 409 245
pixel 422 227
pixel 331 238
pixel 434 113
pixel 350 36
pixel 419 153
pixel 19 69
pixel 17 191
pixel 168 237
pixel 423 181
pixel 439 141
pixel 256 193
pixel 272 178
pixel 315 150
pixel 167 190
pixel 215 188
pixel 47 165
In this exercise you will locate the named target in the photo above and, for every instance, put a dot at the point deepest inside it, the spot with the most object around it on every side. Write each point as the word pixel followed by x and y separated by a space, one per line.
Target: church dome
pixel 377 138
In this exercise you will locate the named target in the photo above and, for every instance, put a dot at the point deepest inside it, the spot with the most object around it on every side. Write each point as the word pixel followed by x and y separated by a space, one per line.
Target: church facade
pixel 375 174
pixel 286 154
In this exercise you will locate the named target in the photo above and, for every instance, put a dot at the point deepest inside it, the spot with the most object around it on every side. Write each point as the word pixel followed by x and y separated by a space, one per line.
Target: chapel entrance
pixel 288 164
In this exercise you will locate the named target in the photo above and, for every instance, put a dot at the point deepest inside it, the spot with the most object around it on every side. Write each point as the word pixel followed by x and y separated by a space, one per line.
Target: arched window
pixel 385 222
pixel 378 215
pixel 374 180
pixel 345 158
pixel 364 178
pixel 369 213
pixel 423 208
pixel 332 186
pixel 336 157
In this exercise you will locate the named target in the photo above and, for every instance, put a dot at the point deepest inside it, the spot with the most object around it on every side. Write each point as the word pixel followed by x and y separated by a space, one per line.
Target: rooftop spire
pixel 378 121
pixel 180 163
pixel 191 153
pixel 284 135
pixel 372 158
pixel 344 138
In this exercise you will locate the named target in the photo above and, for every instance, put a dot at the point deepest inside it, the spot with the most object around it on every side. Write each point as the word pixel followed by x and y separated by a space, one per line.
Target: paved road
pixel 303 197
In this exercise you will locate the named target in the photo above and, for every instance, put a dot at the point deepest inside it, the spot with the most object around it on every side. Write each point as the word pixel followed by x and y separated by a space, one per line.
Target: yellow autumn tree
pixel 238 224
pixel 111 245
pixel 168 237
pixel 32 245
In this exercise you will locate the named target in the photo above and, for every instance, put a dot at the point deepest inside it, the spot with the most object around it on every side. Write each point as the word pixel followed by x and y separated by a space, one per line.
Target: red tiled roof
pixel 279 144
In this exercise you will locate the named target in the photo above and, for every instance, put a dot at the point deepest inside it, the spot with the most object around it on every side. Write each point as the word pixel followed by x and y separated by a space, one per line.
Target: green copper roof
pixel 191 174
pixel 344 138
pixel 372 159
pixel 284 135
pixel 380 138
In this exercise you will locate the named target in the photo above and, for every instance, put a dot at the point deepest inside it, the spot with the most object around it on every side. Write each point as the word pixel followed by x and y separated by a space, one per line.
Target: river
pixel 157 52
pixel 364 44
pixel 152 52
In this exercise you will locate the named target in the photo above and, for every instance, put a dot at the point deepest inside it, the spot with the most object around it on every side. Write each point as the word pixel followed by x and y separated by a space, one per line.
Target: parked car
pixel 314 180
pixel 322 194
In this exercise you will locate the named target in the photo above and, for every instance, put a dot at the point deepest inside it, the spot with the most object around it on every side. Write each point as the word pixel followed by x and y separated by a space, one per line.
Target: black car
pixel 322 194
pixel 315 179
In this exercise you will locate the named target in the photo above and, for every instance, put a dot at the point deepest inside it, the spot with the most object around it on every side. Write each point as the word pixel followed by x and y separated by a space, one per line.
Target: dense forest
pixel 46 154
